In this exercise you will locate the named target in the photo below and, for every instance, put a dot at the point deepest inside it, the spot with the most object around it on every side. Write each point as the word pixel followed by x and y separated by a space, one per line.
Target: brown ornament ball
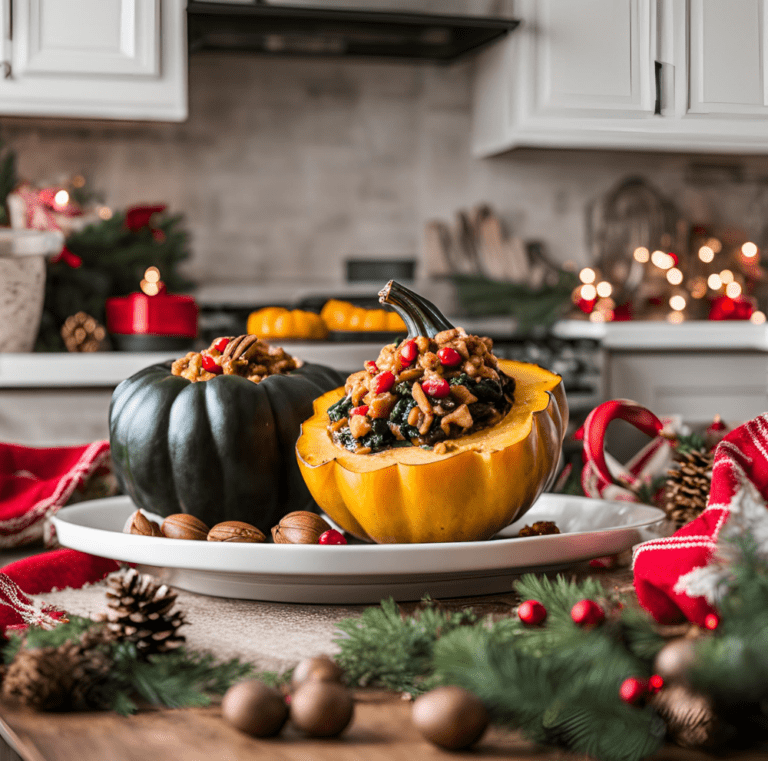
pixel 321 668
pixel 322 709
pixel 450 717
pixel 254 708
pixel 674 660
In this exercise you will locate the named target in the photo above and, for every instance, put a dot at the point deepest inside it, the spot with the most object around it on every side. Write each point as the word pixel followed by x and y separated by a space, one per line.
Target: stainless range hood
pixel 330 30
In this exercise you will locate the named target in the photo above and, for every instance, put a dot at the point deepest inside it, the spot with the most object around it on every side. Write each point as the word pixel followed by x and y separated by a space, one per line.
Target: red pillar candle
pixel 163 314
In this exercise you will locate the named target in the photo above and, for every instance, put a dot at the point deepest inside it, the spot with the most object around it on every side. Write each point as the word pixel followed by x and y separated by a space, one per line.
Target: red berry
pixel 712 621
pixel 633 689
pixel 655 683
pixel 220 344
pixel 436 387
pixel 449 357
pixel 361 410
pixel 587 613
pixel 371 367
pixel 209 364
pixel 531 612
pixel 382 382
pixel 409 351
pixel 331 537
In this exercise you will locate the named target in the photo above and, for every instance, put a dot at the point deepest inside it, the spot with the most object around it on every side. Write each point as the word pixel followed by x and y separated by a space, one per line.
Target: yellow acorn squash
pixel 280 323
pixel 482 483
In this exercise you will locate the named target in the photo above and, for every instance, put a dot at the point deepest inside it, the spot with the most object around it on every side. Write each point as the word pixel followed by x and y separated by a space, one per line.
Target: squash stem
pixel 422 318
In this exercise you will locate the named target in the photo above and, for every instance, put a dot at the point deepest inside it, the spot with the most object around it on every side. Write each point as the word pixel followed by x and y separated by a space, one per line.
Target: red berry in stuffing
pixel 449 357
pixel 361 410
pixel 409 351
pixel 438 388
pixel 209 364
pixel 221 344
pixel 371 367
pixel 331 537
pixel 383 382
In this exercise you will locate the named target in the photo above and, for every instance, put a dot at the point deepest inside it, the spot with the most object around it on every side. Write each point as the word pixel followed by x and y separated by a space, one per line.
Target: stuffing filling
pixel 247 356
pixel 422 392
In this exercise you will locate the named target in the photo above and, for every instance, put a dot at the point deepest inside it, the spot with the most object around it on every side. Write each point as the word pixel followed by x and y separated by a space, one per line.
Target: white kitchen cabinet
pixel 647 74
pixel 120 59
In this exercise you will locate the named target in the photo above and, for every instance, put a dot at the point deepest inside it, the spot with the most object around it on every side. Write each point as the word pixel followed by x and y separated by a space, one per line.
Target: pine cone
pixel 690 717
pixel 139 611
pixel 81 332
pixel 41 678
pixel 687 486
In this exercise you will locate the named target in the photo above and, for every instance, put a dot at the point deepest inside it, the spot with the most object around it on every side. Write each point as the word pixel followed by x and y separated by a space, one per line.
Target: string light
pixel 749 250
pixel 587 275
pixel 588 292
pixel 715 245
pixel 714 282
pixel 699 288
pixel 726 276
pixel 105 212
pixel 757 317
pixel 706 254
pixel 151 284
pixel 675 276
pixel 675 317
pixel 641 254
pixel 61 199
pixel 152 274
pixel 597 316
pixel 604 289
pixel 733 290
pixel 677 303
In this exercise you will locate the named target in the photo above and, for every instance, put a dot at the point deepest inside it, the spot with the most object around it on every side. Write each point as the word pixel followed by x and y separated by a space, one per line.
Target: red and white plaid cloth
pixel 681 576
pixel 34 484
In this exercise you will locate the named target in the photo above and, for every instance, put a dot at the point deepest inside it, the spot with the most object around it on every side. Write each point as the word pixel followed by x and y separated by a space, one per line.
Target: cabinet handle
pixel 657 73
pixel 7 70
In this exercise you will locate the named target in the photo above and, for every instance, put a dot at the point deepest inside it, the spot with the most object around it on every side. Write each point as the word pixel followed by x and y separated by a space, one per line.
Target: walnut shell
pixel 235 531
pixel 299 527
pixel 140 525
pixel 184 526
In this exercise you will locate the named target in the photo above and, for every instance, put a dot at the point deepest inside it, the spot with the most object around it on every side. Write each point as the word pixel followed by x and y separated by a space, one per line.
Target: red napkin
pixel 681 576
pixel 57 569
pixel 36 482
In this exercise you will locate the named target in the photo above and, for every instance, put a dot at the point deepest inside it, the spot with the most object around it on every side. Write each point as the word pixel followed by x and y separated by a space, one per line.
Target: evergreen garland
pixel 559 683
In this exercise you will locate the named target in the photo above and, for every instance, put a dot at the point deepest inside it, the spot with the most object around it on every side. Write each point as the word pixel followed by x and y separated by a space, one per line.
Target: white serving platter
pixel 363 573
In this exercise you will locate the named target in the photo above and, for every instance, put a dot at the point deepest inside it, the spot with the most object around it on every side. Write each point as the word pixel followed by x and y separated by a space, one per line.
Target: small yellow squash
pixel 284 324
pixel 343 315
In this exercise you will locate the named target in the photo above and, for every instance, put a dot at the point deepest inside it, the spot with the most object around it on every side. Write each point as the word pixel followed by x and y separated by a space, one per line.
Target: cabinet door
pixel 594 56
pixel 727 73
pixel 122 59
pixel 87 37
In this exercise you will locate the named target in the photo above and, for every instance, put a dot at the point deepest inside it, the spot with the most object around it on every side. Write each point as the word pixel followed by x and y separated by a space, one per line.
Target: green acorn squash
pixel 485 481
pixel 220 449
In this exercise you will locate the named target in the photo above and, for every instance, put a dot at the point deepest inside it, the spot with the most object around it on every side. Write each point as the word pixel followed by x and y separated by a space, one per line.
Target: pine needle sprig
pixel 384 649
pixel 36 637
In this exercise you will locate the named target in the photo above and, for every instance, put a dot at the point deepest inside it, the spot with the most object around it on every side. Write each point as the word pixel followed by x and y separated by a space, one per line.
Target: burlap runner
pixel 272 636
pixel 276 636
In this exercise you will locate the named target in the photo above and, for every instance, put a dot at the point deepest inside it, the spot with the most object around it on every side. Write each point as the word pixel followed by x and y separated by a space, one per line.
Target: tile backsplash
pixel 287 167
